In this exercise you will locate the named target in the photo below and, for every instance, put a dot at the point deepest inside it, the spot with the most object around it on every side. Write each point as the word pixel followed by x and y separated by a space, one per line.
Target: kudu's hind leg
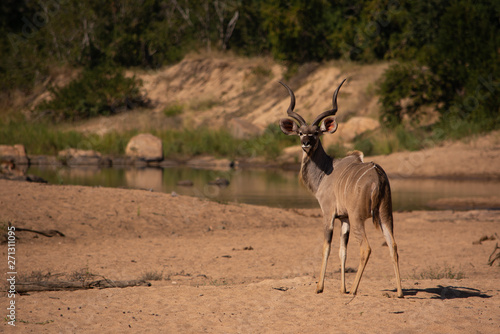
pixel 365 252
pixel 387 229
pixel 344 239
pixel 327 244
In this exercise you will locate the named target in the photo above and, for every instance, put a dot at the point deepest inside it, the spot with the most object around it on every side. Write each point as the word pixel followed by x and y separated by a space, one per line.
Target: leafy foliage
pixel 98 91
pixel 444 52
pixel 456 69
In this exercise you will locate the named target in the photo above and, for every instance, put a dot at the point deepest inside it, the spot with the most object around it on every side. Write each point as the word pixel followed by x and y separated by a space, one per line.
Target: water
pixel 269 187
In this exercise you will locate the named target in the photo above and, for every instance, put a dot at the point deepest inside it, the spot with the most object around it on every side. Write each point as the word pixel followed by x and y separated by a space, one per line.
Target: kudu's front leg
pixel 327 244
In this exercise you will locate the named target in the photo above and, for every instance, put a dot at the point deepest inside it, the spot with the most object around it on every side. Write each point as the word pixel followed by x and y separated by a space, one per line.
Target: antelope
pixel 347 189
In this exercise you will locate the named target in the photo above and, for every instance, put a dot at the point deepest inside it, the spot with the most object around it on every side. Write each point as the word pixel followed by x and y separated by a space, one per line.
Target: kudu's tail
pixel 375 205
pixel 381 204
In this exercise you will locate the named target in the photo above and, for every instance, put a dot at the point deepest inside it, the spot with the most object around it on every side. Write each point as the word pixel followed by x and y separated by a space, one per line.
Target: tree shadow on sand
pixel 447 292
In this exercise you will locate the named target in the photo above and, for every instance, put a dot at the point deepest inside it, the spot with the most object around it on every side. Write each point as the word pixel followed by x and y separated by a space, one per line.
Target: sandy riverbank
pixel 240 268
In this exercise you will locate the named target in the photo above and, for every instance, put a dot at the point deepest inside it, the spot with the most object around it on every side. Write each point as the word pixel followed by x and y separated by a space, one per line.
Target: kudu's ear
pixel 329 125
pixel 289 127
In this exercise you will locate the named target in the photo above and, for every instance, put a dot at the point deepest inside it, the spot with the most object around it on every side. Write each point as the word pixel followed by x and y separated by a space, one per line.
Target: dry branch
pixel 494 257
pixel 45 233
pixel 23 287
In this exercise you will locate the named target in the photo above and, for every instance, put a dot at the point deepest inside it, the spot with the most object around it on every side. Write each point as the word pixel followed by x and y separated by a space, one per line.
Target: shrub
pixel 440 273
pixel 97 91
pixel 456 76
pixel 173 110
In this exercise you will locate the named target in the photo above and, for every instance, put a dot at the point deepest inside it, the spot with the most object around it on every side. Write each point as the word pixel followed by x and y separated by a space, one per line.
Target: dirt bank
pixel 240 268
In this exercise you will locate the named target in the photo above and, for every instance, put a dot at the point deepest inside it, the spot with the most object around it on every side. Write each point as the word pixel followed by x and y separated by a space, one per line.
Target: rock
pixel 347 131
pixel 210 162
pixel 44 160
pixel 106 161
pixel 168 163
pixel 220 181
pixel 28 178
pixel 76 157
pixel 122 161
pixel 185 183
pixel 243 129
pixel 35 178
pixel 356 126
pixel 145 147
pixel 14 153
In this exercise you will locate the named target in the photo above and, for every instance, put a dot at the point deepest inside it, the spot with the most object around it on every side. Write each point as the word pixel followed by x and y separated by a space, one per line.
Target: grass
pixel 262 72
pixel 37 276
pixel 173 110
pixel 205 104
pixel 152 276
pixel 435 273
pixel 414 137
pixel 48 139
pixel 82 275
pixel 386 141
pixel 43 138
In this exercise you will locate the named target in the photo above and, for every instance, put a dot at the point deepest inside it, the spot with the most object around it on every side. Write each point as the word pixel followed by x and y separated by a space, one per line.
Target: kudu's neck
pixel 315 165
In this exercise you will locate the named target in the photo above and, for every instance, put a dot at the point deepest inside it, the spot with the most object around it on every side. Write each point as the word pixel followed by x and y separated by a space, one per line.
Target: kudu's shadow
pixel 446 292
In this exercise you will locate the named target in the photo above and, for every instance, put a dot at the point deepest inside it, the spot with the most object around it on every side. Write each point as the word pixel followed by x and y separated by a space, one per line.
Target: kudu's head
pixel 309 134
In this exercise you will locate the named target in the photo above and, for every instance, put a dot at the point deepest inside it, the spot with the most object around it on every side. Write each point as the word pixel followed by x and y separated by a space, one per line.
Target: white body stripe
pixel 363 175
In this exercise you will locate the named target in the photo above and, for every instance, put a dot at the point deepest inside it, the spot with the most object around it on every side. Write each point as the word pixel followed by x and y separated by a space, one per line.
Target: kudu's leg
pixel 387 229
pixel 365 252
pixel 344 239
pixel 326 252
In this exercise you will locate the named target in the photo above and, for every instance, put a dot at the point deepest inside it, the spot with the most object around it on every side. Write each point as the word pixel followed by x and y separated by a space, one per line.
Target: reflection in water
pixel 146 178
pixel 270 187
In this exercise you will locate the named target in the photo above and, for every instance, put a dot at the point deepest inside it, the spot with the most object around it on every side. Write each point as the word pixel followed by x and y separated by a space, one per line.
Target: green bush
pixel 455 76
pixel 387 141
pixel 173 110
pixel 97 91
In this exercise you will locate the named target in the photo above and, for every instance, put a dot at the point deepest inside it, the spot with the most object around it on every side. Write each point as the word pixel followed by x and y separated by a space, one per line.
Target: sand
pixel 234 268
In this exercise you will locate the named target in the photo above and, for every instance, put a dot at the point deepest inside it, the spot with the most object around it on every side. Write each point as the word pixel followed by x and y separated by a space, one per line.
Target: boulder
pixel 76 157
pixel 347 131
pixel 145 147
pixel 44 160
pixel 119 161
pixel 356 126
pixel 185 183
pixel 220 182
pixel 243 129
pixel 14 153
pixel 210 163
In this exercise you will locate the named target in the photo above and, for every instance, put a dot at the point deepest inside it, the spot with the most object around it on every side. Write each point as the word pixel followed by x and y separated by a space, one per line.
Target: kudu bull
pixel 347 189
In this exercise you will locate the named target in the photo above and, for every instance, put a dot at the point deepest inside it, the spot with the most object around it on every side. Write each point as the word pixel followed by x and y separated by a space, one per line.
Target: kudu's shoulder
pixel 353 157
pixel 356 155
pixel 354 161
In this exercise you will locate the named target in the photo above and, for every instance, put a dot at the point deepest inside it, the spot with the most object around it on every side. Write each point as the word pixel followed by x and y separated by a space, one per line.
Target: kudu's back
pixel 356 188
